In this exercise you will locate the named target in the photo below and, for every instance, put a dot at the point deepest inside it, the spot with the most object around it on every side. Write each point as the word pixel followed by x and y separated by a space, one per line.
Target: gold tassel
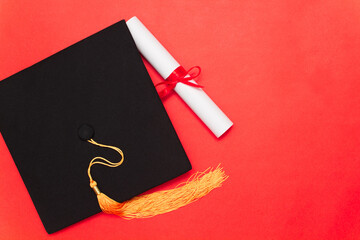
pixel 149 205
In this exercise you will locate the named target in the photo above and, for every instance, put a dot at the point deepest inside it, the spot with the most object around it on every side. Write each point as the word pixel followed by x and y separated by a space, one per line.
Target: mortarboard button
pixel 86 132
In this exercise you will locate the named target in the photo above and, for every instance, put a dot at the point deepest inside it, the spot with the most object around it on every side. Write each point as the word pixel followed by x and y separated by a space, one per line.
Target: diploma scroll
pixel 165 64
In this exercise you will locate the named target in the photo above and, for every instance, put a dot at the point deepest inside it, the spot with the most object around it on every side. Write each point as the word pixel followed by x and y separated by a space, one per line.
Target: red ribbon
pixel 178 75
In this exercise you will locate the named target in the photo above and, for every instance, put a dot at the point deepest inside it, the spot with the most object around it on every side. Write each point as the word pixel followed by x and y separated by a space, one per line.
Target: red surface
pixel 286 73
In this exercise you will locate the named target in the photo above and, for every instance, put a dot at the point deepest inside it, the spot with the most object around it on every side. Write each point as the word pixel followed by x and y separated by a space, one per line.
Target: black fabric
pixel 100 81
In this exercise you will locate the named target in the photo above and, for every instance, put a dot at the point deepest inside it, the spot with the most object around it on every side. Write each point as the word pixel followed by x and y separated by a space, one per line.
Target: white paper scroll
pixel 165 64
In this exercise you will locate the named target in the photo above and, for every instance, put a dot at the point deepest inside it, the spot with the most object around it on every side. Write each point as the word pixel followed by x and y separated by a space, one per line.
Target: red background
pixel 286 72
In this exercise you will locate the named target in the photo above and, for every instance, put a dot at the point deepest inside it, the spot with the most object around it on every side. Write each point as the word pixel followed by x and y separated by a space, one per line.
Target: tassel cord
pixel 103 161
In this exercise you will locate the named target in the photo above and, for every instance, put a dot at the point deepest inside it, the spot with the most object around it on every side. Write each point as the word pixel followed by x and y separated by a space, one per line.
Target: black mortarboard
pixel 99 84
pixel 97 89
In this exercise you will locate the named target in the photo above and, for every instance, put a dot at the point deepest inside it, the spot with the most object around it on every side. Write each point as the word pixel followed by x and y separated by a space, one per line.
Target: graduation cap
pixel 95 98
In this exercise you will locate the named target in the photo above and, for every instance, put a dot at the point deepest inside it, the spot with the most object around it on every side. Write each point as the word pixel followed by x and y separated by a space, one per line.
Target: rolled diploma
pixel 165 64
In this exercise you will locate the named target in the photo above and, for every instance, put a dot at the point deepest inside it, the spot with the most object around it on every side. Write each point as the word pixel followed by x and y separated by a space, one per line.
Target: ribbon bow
pixel 178 75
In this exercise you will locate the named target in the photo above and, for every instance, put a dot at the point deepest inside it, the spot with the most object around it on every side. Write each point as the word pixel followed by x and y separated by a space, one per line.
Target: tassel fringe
pixel 149 205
